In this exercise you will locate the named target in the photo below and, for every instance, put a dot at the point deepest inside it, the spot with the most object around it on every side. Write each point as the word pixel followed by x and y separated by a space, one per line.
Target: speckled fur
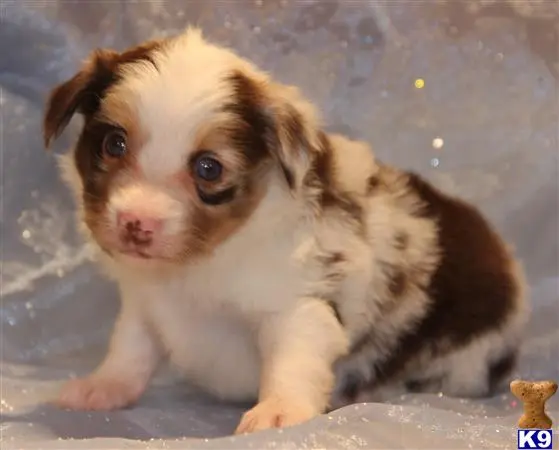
pixel 327 276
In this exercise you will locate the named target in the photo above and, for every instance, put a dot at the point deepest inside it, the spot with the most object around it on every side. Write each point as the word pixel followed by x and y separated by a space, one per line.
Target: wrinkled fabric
pixel 464 93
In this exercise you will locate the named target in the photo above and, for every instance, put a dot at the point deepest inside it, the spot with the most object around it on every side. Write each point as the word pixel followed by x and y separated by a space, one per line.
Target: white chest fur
pixel 207 314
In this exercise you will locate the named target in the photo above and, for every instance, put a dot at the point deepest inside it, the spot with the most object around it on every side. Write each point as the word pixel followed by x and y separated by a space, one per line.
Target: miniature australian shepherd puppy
pixel 269 260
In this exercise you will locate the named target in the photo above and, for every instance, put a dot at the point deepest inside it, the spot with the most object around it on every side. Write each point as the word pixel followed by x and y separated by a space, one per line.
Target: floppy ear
pixel 284 125
pixel 297 131
pixel 83 92
pixel 80 94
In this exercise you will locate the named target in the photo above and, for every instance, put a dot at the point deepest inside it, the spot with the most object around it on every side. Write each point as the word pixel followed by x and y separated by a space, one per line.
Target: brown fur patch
pixel 397 283
pixel 84 92
pixel 373 183
pixel 336 312
pixel 293 124
pixel 210 226
pixel 472 290
pixel 322 176
pixel 334 273
pixel 253 127
pixel 246 141
pixel 269 126
pixel 97 170
pixel 334 258
pixel 401 240
pixel 289 177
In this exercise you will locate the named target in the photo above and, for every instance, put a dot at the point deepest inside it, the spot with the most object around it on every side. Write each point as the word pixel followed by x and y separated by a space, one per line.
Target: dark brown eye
pixel 114 144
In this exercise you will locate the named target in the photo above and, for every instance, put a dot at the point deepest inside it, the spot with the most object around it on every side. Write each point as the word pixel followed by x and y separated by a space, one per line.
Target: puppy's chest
pixel 248 285
pixel 209 299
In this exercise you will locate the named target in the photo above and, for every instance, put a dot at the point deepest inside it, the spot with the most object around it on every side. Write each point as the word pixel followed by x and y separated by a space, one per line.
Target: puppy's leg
pixel 125 372
pixel 298 350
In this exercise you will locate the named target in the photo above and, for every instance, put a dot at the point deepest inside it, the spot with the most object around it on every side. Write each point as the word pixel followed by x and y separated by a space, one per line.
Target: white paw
pixel 97 394
pixel 274 414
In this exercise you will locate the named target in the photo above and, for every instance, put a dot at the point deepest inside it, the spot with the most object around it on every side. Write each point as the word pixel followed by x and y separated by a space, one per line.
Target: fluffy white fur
pixel 247 322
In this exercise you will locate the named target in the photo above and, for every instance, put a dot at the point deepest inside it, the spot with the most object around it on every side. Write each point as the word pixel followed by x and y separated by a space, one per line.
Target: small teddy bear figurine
pixel 533 395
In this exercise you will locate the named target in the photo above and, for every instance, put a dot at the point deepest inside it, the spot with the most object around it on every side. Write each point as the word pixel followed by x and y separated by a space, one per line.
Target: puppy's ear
pixel 299 135
pixel 80 94
pixel 83 92
pixel 281 123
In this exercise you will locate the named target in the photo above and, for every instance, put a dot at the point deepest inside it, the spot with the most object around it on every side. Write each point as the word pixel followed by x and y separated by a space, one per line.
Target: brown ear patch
pixel 264 131
pixel 274 124
pixel 252 128
pixel 79 94
pixel 534 395
pixel 84 91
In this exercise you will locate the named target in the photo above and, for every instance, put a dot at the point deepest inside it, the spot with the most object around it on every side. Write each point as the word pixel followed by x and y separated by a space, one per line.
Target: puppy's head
pixel 180 142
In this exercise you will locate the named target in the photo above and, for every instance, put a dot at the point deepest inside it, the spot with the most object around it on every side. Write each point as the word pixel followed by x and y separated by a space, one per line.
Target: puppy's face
pixel 179 143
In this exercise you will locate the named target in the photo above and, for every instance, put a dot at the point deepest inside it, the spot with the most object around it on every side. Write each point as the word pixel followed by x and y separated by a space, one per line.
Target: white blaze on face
pixel 173 106
pixel 175 97
pixel 172 100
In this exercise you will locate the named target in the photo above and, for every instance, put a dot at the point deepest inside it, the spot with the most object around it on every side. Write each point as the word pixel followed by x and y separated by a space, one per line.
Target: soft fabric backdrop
pixel 464 92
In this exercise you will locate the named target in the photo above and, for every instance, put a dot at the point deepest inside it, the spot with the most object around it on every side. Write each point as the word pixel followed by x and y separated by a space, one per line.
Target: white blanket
pixel 481 122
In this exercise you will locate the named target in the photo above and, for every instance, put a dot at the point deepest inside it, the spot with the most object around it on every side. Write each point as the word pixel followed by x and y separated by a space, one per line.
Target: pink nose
pixel 135 223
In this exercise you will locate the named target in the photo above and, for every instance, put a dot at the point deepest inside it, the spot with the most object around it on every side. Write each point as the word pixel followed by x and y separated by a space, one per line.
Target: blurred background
pixel 464 92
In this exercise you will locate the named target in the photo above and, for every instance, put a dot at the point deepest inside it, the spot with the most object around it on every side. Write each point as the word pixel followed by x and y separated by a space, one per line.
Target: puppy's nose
pixel 139 225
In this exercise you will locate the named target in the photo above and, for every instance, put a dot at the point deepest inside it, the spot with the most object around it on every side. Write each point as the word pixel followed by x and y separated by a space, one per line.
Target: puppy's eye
pixel 207 168
pixel 114 144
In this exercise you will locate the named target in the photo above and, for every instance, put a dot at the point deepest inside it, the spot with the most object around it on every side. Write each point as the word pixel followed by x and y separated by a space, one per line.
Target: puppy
pixel 265 258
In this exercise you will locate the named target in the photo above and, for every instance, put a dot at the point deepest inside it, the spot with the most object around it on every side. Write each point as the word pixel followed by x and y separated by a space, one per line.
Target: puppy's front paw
pixel 274 414
pixel 97 394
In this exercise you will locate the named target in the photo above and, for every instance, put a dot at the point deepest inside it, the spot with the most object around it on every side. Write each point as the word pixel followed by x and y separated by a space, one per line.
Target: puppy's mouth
pixel 136 253
pixel 128 252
